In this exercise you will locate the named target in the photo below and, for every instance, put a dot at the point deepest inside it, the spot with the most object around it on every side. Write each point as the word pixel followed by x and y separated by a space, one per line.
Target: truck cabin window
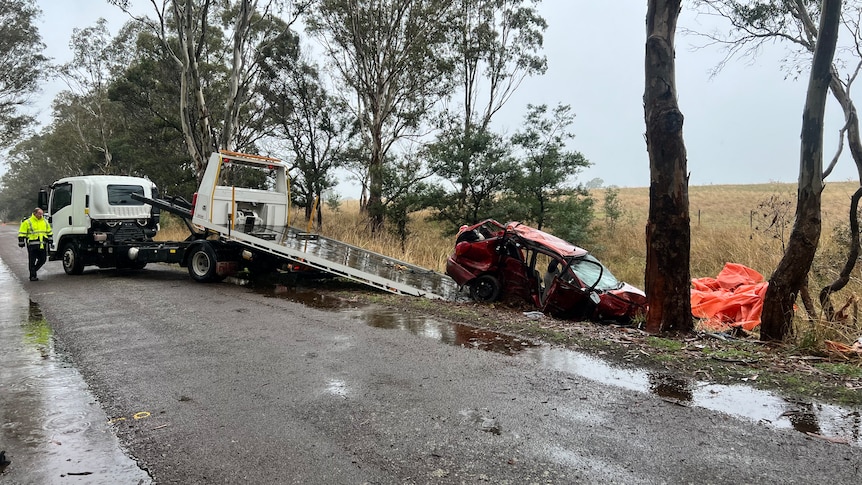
pixel 121 194
pixel 62 197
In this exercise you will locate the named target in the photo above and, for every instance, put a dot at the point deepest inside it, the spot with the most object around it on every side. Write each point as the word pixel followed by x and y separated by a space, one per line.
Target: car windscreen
pixel 120 194
pixel 593 274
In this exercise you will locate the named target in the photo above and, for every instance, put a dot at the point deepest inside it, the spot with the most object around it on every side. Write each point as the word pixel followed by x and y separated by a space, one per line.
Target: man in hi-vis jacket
pixel 36 233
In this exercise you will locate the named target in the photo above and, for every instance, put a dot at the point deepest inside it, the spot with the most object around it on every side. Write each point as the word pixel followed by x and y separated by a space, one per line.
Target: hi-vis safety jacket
pixel 35 231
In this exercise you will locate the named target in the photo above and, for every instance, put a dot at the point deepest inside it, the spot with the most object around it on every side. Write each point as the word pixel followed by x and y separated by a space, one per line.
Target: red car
pixel 495 260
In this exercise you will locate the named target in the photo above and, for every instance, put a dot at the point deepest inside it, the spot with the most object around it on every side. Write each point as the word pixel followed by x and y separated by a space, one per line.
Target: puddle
pixel 306 296
pixel 452 334
pixel 53 430
pixel 737 400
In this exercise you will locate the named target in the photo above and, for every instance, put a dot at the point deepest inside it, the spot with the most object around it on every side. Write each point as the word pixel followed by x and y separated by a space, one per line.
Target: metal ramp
pixel 325 254
pixel 348 261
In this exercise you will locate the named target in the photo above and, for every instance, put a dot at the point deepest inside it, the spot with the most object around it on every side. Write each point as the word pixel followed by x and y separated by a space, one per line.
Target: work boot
pixel 34 278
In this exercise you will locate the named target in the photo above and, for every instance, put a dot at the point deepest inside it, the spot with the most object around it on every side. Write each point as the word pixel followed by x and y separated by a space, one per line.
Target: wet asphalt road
pixel 232 386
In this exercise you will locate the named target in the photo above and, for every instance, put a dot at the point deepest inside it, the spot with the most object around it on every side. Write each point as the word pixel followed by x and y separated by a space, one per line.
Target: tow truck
pixel 111 222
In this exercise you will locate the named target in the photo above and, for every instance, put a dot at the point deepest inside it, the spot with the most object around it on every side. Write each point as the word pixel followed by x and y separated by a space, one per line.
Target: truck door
pixel 66 212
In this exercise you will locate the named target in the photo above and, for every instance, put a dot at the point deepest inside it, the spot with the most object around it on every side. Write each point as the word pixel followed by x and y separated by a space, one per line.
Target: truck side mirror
pixel 43 199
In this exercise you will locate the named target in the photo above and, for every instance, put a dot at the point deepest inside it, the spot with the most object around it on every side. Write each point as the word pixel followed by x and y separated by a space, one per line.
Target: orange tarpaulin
pixel 733 299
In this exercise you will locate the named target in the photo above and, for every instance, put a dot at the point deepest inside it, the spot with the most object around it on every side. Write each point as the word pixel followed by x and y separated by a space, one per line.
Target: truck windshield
pixel 120 194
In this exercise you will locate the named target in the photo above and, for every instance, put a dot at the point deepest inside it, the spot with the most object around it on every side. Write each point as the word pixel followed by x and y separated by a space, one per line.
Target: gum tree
pixel 390 54
pixel 315 125
pixel 497 44
pixel 95 61
pixel 542 184
pixel 188 31
pixel 22 65
pixel 668 233
pixel 792 271
pixel 795 22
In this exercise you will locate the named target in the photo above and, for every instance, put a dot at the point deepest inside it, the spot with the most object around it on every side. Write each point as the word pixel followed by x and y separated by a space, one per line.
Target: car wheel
pixel 72 262
pixel 485 289
pixel 202 264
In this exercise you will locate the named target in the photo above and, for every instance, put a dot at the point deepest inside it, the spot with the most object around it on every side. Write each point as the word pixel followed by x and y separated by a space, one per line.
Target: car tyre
pixel 485 289
pixel 73 264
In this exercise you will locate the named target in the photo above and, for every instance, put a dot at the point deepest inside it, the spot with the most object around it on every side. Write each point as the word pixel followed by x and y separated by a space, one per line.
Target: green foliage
pixel 496 45
pixel 542 184
pixel 479 166
pixel 31 165
pixel 570 217
pixel 315 125
pixel 405 192
pixel 136 107
pixel 594 183
pixel 613 208
pixel 23 65
pixel 534 187
pixel 333 201
pixel 151 142
pixel 391 54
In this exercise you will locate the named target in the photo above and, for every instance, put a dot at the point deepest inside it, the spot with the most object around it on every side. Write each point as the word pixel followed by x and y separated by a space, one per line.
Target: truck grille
pixel 128 231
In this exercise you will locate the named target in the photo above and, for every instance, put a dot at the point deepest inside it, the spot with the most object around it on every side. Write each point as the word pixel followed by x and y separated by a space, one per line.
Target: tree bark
pixel 236 90
pixel 194 116
pixel 792 270
pixel 668 231
pixel 844 277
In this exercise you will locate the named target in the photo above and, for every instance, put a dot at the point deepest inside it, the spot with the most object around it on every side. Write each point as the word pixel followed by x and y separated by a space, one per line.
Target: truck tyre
pixel 72 262
pixel 202 264
pixel 485 289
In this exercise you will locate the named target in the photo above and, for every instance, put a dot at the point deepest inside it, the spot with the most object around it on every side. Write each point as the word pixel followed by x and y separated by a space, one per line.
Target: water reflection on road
pixel 818 419
pixel 53 430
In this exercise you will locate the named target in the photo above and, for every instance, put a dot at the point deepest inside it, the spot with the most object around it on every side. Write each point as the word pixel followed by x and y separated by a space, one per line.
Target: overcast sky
pixel 740 127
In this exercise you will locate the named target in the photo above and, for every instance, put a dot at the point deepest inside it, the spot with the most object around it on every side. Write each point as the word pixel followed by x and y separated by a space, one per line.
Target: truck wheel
pixel 202 264
pixel 72 262
pixel 485 289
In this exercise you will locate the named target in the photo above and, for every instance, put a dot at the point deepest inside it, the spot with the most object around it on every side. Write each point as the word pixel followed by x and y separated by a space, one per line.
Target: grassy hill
pixel 745 224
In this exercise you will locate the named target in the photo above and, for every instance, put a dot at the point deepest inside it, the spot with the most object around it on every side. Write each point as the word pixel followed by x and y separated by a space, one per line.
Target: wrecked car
pixel 495 261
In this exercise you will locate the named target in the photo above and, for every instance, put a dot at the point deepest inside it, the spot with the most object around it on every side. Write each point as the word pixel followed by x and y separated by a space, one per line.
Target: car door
pixel 567 297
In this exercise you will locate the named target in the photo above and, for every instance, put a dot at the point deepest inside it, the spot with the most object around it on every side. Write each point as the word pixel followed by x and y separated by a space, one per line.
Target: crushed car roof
pixel 561 246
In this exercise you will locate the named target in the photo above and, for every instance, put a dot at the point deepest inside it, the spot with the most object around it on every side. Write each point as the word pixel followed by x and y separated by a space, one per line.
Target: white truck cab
pixel 91 214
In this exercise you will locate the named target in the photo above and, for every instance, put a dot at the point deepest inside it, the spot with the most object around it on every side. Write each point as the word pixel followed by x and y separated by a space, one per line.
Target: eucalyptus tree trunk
pixel 236 89
pixel 792 270
pixel 668 232
pixel 194 113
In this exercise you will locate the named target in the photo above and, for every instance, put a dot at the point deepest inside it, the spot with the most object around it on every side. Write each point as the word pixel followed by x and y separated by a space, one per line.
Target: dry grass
pixel 429 248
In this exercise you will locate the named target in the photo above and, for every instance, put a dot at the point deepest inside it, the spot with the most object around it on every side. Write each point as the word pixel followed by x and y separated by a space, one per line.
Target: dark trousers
pixel 37 256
